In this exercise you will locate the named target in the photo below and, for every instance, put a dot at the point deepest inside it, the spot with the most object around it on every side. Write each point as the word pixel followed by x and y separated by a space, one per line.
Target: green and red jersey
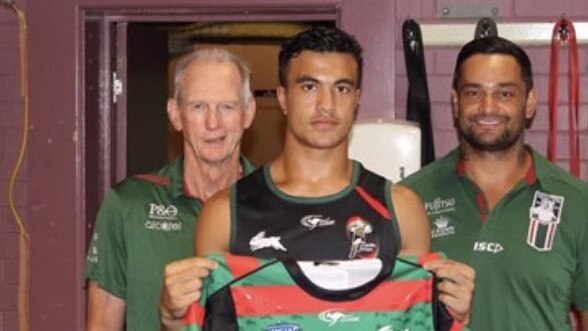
pixel 249 293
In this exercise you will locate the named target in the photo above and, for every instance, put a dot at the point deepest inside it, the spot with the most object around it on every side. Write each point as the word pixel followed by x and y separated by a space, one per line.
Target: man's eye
pixel 227 107
pixel 199 107
pixel 343 89
pixel 308 87
pixel 506 94
pixel 472 94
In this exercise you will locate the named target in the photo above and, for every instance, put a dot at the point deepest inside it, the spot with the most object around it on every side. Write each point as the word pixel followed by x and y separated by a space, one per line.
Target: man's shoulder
pixel 434 174
pixel 145 184
pixel 557 179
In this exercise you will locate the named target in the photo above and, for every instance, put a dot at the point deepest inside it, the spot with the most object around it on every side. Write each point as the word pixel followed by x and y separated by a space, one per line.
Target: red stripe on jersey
pixel 531 176
pixel 373 203
pixel 481 202
pixel 241 265
pixel 429 257
pixel 194 315
pixel 457 326
pixel 154 179
pixel 291 299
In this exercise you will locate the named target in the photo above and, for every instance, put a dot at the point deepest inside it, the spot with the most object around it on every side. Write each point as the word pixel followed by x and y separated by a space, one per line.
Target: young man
pixel 148 220
pixel 313 202
pixel 498 205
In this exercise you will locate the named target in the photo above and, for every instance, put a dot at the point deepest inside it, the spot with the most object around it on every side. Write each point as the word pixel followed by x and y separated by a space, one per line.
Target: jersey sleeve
pixel 106 258
pixel 580 285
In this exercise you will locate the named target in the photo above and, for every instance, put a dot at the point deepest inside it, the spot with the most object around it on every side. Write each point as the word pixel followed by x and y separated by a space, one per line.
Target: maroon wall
pixel 441 61
pixel 10 134
pixel 55 204
pixel 51 192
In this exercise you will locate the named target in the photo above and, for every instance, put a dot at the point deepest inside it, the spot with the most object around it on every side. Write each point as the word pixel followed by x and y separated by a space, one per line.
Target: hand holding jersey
pixel 183 285
pixel 248 293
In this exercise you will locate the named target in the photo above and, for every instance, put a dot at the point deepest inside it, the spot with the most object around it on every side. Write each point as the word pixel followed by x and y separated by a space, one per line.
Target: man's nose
pixel 212 117
pixel 326 100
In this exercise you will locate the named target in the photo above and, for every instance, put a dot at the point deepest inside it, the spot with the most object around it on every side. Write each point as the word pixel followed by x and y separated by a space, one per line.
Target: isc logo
pixel 483 246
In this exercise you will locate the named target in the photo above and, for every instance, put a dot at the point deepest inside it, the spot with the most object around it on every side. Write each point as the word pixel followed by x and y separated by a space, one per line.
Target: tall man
pixel 498 205
pixel 148 220
pixel 268 212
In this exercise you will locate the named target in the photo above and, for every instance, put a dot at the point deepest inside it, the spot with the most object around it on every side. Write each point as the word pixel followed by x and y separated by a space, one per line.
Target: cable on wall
pixel 24 237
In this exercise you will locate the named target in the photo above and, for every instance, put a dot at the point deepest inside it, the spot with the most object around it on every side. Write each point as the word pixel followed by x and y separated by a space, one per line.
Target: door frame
pixel 58 113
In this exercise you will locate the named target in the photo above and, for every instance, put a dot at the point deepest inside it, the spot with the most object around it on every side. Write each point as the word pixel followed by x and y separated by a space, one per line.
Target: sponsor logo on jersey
pixel 337 316
pixel 391 328
pixel 488 247
pixel 166 226
pixel 358 230
pixel 163 218
pixel 442 227
pixel 284 327
pixel 260 241
pixel 162 212
pixel 93 252
pixel 544 217
pixel 316 221
pixel 440 205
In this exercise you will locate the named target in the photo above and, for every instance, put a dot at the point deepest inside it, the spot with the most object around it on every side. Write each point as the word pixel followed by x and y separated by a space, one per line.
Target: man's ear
pixel 531 104
pixel 250 109
pixel 173 113
pixel 454 104
pixel 281 94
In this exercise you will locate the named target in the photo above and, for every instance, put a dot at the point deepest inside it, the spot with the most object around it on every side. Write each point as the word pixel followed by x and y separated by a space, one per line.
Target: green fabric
pixel 141 226
pixel 518 286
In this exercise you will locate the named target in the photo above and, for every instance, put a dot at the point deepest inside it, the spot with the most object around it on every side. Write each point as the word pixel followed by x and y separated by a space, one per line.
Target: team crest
pixel 545 214
pixel 358 231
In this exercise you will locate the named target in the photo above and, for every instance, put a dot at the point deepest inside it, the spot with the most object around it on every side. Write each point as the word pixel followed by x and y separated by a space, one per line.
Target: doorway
pixel 127 86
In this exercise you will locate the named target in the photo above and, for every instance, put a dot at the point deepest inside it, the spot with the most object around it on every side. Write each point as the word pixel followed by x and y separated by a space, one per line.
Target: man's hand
pixel 182 285
pixel 456 289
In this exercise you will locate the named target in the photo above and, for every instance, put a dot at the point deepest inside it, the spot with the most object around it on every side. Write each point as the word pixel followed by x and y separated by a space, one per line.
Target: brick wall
pixel 441 61
pixel 10 135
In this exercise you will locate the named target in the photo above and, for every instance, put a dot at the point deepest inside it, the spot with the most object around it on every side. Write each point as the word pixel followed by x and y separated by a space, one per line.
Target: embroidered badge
pixel 545 214
pixel 358 231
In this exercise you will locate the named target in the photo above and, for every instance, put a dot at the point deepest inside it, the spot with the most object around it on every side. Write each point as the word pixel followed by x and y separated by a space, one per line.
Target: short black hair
pixel 495 45
pixel 322 39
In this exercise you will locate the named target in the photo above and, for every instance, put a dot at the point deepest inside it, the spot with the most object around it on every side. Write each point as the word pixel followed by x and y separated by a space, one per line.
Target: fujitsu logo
pixel 439 205
pixel 316 221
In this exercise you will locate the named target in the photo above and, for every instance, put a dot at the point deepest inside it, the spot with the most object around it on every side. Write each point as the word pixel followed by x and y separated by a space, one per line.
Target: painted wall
pixel 50 188
pixel 440 63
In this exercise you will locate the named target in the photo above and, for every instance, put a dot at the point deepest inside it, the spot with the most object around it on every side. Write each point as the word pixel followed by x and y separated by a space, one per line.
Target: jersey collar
pixel 530 177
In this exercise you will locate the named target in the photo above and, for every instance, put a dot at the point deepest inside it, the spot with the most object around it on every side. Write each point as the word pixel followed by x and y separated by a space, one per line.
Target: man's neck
pixel 305 172
pixel 203 179
pixel 496 173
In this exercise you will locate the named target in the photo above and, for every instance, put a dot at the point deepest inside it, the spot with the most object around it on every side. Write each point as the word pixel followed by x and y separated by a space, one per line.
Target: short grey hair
pixel 215 55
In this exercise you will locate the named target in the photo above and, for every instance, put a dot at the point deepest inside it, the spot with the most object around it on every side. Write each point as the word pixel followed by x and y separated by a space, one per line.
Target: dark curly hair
pixel 322 39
